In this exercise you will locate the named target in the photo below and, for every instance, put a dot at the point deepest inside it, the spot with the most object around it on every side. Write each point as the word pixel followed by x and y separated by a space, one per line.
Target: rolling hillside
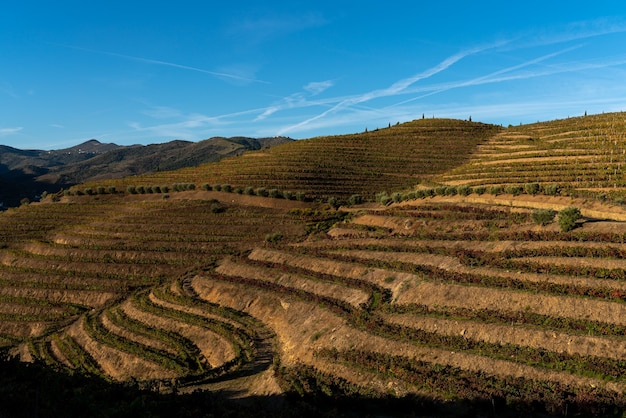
pixel 585 153
pixel 29 173
pixel 393 158
pixel 446 299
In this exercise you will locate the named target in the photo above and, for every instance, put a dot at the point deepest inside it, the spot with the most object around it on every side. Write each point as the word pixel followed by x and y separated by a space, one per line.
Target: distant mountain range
pixel 28 173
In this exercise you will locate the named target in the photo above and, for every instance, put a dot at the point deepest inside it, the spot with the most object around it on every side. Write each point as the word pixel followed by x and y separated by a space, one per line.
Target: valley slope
pixel 401 268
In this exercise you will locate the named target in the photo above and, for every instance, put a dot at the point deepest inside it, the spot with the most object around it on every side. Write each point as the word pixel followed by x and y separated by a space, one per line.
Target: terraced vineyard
pixel 393 158
pixel 450 304
pixel 583 154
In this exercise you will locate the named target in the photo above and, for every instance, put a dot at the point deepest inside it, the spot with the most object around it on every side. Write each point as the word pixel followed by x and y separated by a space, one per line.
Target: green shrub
pixel 355 199
pixel 207 187
pixel 112 190
pixel 397 197
pixel 543 216
pixel 514 190
pixel 383 198
pixel 568 217
pixel 300 196
pixel 261 192
pixel 451 191
pixel 495 190
pixel 227 188
pixel 464 190
pixel 100 190
pixel 249 191
pixel 479 190
pixel 551 190
pixel 440 190
pixel 274 193
pixel 276 236
pixel 531 188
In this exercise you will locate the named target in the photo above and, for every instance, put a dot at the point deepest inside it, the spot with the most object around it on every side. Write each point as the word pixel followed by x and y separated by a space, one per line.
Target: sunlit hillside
pixel 475 288
pixel 388 159
pixel 585 153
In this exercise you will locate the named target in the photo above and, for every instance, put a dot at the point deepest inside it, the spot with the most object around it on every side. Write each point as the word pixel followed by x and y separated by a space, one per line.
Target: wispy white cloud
pixel 222 75
pixel 56 125
pixel 10 131
pixel 496 76
pixel 317 87
pixel 399 87
pixel 573 31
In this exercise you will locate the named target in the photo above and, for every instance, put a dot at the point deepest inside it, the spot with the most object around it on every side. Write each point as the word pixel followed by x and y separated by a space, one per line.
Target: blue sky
pixel 134 72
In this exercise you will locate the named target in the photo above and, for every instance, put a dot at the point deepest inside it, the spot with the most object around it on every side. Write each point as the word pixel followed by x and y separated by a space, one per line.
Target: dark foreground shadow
pixel 32 390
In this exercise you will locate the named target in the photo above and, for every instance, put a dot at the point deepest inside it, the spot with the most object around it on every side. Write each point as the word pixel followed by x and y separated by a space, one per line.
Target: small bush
pixel 464 190
pixel 288 195
pixel 514 190
pixel 206 187
pixel 480 190
pixel 568 217
pixel 112 190
pixel 300 196
pixel 275 237
pixel 227 188
pixel 531 188
pixel 543 216
pixel 261 192
pixel 495 190
pixel 551 190
pixel 274 193
pixel 216 207
pixel 100 190
pixel 355 199
pixel 397 197
pixel 249 191
pixel 383 198
pixel 451 191
pixel 440 190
